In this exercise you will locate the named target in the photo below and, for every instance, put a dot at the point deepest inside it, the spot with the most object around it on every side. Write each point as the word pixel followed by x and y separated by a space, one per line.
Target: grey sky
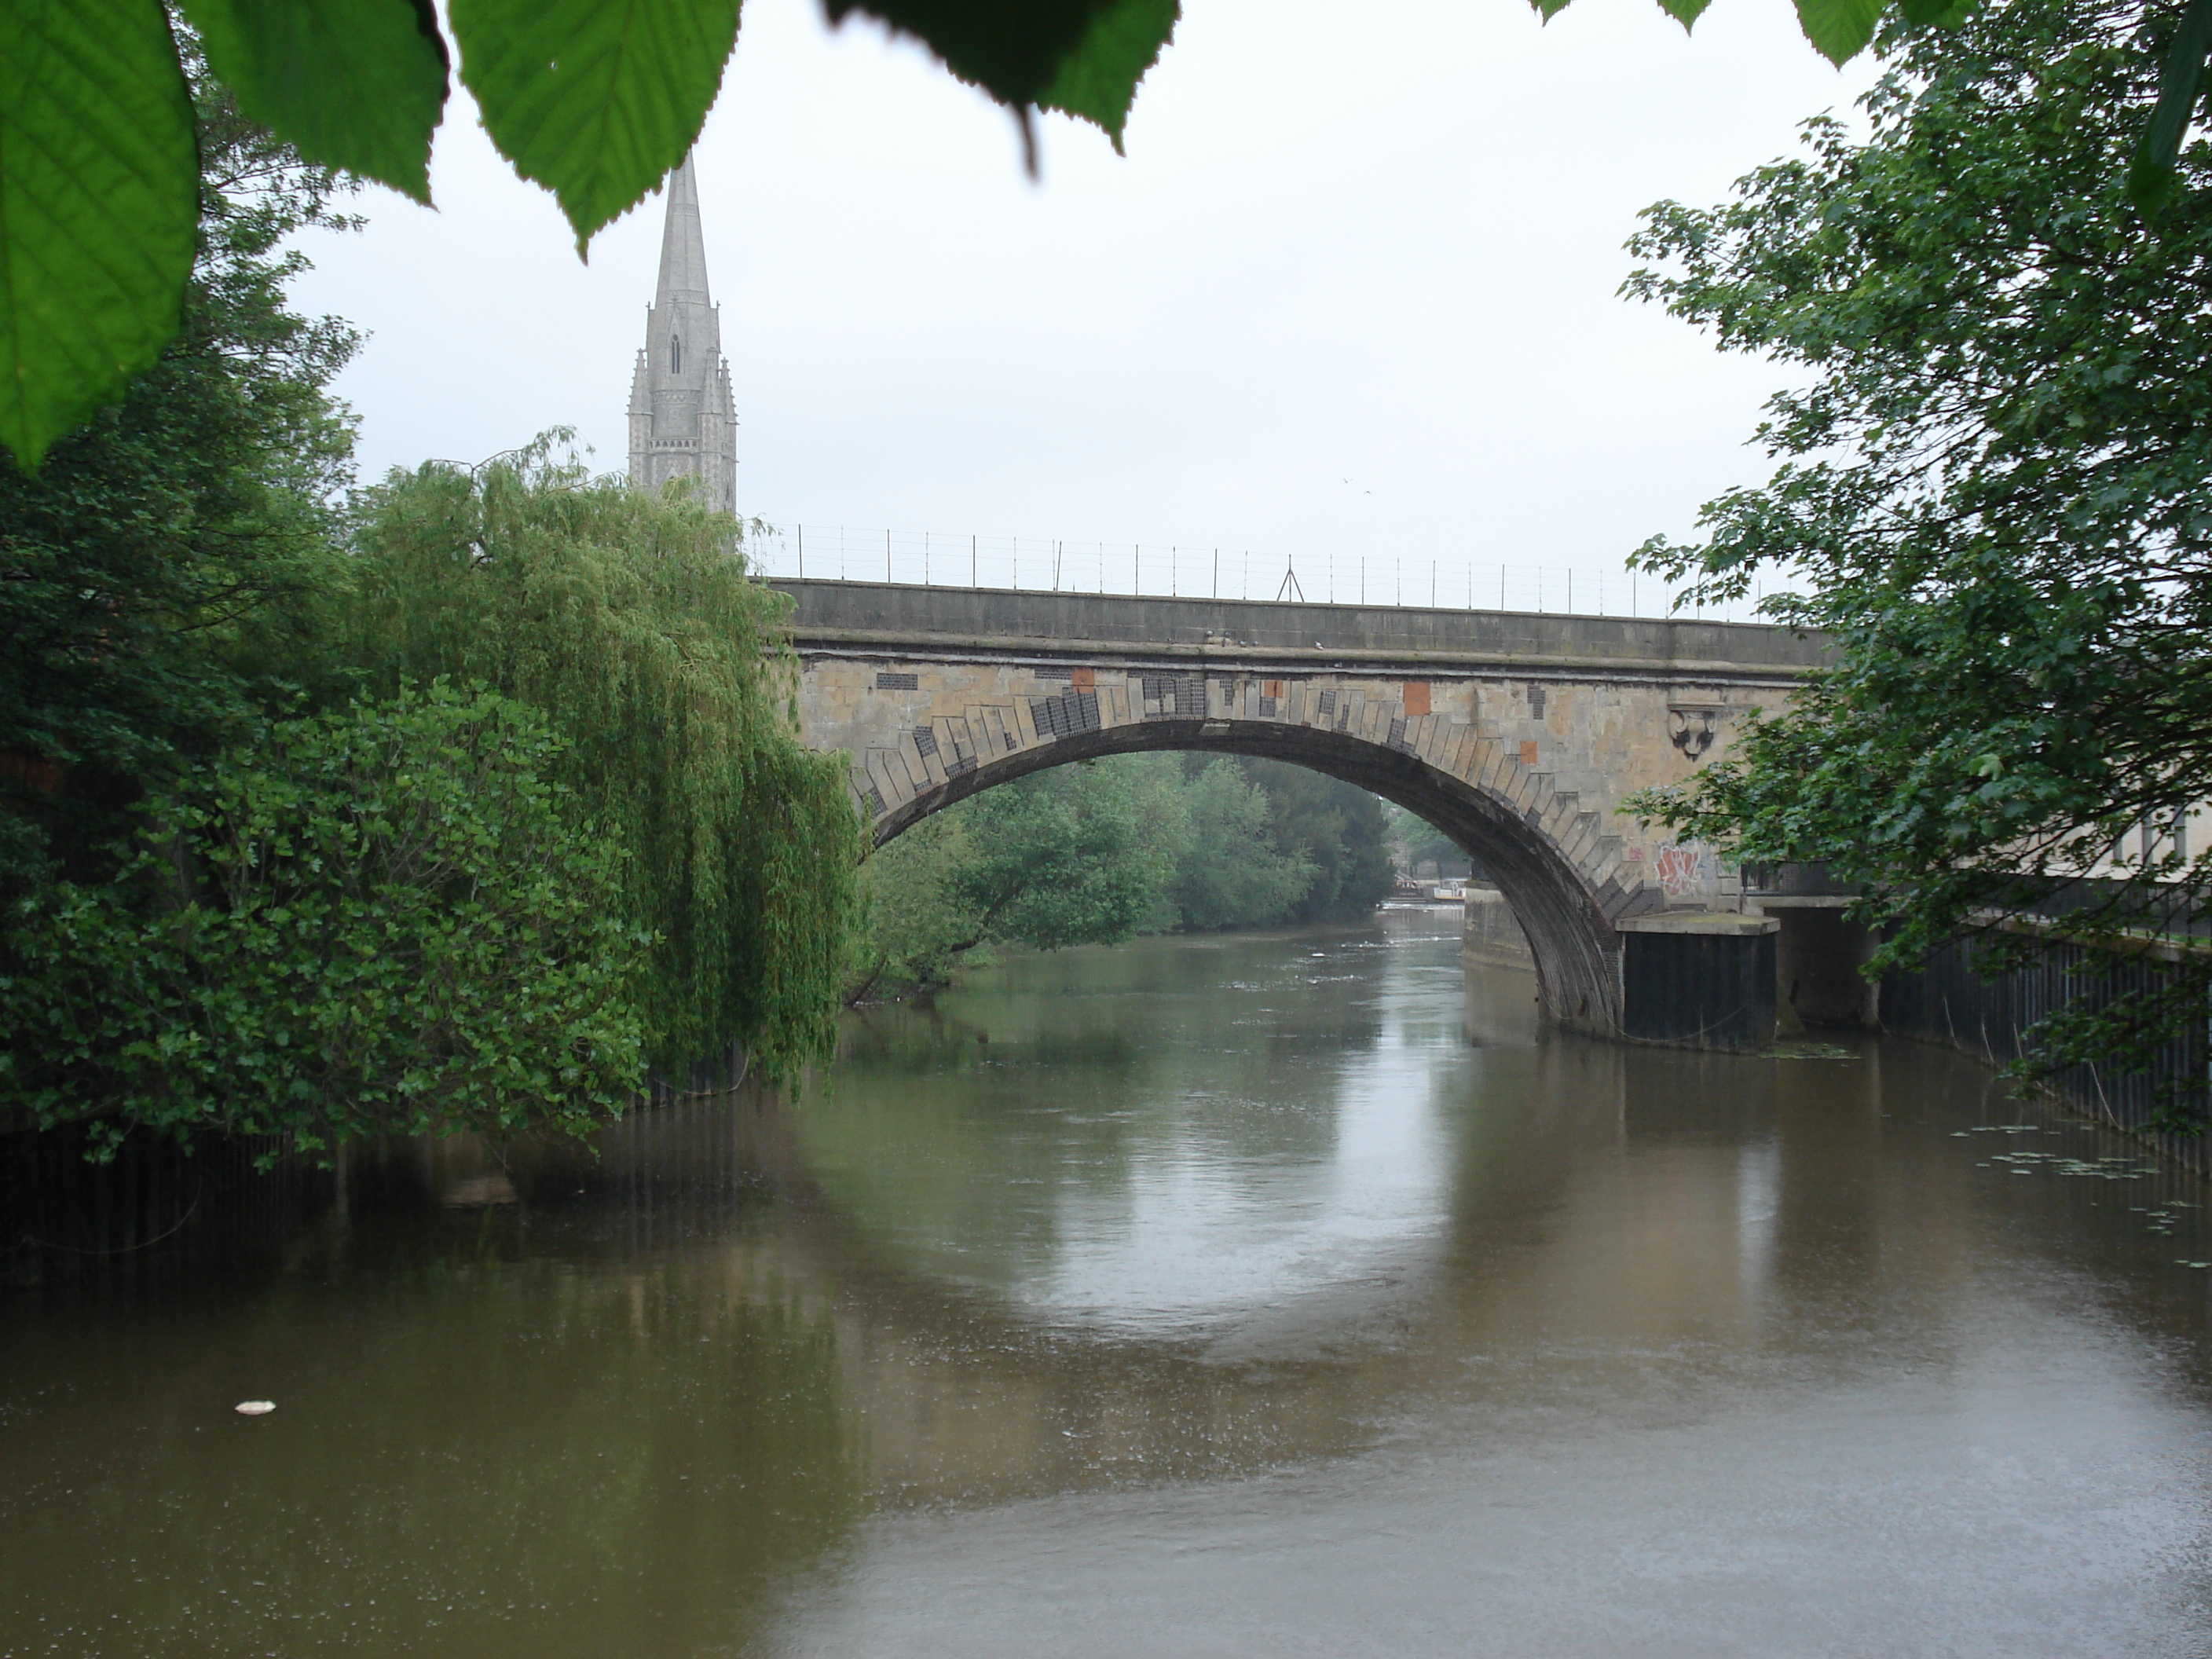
pixel 1352 291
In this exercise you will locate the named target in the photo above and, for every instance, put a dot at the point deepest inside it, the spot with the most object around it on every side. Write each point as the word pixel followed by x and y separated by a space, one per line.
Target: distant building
pixel 683 419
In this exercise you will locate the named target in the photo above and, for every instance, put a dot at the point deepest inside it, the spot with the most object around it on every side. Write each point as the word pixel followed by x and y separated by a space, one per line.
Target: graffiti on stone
pixel 1684 872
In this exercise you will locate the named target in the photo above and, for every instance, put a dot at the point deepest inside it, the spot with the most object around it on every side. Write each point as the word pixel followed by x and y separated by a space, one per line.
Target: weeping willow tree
pixel 629 621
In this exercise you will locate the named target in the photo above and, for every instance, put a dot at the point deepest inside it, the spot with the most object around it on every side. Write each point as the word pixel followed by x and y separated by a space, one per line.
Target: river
pixel 1260 1294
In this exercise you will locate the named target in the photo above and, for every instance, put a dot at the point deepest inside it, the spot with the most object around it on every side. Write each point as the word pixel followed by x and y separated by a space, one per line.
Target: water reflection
pixel 1149 1157
pixel 1240 1296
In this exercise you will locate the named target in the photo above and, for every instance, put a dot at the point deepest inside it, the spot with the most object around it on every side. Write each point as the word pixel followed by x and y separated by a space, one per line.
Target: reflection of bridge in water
pixel 969 1390
pixel 961 1388
pixel 1518 735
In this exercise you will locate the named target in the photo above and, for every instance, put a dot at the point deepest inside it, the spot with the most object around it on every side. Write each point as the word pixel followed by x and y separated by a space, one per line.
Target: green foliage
pixel 1231 873
pixel 1093 852
pixel 920 924
pixel 1838 29
pixel 631 621
pixel 596 100
pixel 1085 57
pixel 2153 178
pixel 1076 855
pixel 99 193
pixel 1338 828
pixel 174 582
pixel 154 575
pixel 1079 855
pixel 376 922
pixel 358 84
pixel 1419 841
pixel 1097 81
pixel 1996 490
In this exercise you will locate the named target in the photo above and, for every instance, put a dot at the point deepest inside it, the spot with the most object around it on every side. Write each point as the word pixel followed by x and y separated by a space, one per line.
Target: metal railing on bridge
pixel 846 553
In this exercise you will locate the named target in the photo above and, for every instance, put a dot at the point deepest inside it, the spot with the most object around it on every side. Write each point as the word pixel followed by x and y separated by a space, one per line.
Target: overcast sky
pixel 1350 293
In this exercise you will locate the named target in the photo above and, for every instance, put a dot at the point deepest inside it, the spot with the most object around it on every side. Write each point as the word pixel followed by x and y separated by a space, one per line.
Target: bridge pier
pixel 1688 978
pixel 1698 980
pixel 1517 735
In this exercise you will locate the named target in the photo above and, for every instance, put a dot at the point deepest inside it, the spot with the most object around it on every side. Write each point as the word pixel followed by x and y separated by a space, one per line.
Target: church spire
pixel 682 243
pixel 683 420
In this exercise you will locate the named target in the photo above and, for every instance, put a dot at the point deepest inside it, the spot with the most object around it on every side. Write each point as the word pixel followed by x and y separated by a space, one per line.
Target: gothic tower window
pixel 676 354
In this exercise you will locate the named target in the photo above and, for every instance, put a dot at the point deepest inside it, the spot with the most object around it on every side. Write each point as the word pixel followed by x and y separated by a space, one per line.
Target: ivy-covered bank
pixel 463 802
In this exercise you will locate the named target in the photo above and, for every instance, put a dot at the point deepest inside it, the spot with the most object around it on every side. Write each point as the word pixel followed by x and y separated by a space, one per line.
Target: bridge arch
pixel 1551 896
pixel 1518 735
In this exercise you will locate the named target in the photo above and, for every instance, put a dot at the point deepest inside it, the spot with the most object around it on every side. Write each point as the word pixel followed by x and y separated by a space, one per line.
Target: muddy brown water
pixel 1264 1295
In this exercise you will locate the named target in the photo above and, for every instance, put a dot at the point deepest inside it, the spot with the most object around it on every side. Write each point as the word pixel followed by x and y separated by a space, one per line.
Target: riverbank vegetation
pixel 1995 494
pixel 1422 849
pixel 461 802
pixel 631 621
pixel 1096 852
pixel 378 919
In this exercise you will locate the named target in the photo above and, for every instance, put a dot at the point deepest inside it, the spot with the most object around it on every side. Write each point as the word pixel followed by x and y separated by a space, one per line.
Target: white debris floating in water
pixel 256 1407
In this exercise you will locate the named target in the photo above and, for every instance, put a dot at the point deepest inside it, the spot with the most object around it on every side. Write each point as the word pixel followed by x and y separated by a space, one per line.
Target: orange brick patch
pixel 1416 698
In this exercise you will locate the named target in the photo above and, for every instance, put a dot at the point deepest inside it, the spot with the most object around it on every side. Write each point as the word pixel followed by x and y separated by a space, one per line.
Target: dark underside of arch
pixel 1575 946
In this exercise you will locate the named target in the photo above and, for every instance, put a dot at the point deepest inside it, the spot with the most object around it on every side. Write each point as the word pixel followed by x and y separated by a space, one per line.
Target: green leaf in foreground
pixel 1019 49
pixel 1838 29
pixel 1685 12
pixel 99 203
pixel 358 84
pixel 2181 80
pixel 596 100
pixel 1098 81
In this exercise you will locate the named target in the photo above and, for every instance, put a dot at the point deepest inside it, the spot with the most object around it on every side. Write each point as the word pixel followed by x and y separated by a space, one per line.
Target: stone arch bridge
pixel 1516 734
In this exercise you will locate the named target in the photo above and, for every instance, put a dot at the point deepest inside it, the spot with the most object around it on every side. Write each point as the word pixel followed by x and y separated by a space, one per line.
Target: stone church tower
pixel 682 417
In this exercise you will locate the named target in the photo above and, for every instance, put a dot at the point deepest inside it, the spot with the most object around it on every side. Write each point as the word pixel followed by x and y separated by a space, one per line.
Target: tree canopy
pixel 594 100
pixel 1995 491
pixel 460 802
pixel 631 620
pixel 1336 827
pixel 157 575
pixel 384 920
pixel 1093 852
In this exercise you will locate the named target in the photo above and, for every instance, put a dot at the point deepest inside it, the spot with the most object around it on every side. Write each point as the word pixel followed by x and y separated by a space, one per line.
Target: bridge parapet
pixel 1519 735
pixel 1233 630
